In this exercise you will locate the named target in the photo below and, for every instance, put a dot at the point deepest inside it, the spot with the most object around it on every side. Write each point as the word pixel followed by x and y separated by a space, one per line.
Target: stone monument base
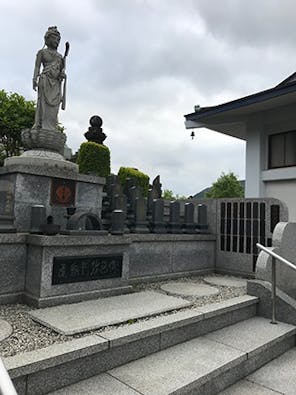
pixel 66 269
pixel 49 181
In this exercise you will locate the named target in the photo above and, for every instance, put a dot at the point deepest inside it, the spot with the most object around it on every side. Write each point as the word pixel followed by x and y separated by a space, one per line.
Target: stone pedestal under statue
pixel 41 176
pixel 45 148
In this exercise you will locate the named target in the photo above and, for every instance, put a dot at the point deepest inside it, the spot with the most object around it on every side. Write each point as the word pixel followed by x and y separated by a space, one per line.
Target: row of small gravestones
pixel 126 210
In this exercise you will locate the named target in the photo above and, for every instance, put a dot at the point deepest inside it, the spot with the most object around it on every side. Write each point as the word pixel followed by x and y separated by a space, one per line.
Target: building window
pixel 282 150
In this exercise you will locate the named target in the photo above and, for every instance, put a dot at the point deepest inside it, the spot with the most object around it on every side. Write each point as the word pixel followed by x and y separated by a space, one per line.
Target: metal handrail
pixel 274 257
pixel 6 385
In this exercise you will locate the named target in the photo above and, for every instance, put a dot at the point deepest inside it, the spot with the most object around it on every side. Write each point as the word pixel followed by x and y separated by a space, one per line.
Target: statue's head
pixel 52 37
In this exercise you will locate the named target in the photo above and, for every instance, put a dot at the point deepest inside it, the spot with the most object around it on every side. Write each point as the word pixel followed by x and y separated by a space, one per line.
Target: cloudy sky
pixel 142 64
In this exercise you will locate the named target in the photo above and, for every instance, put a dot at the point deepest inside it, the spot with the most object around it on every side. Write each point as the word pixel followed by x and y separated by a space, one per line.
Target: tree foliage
pixel 167 194
pixel 16 114
pixel 226 186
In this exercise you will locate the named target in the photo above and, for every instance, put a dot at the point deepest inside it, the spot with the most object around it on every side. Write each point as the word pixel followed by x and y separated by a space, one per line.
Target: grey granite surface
pixel 32 336
pixel 251 337
pixel 85 316
pixel 106 384
pixel 279 374
pixel 246 387
pixel 177 367
pixel 189 289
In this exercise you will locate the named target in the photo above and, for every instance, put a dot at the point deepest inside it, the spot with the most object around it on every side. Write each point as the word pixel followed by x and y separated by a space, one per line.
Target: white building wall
pixel 284 191
pixel 280 183
pixel 255 159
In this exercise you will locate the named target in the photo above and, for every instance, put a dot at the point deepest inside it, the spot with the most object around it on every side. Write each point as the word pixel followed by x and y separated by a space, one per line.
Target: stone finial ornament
pixel 95 132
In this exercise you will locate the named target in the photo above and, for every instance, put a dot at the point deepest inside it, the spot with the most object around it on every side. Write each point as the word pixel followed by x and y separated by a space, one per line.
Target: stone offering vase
pixel 50 140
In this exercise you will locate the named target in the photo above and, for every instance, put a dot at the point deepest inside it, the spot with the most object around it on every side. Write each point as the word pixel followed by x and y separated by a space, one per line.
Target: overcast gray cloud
pixel 142 65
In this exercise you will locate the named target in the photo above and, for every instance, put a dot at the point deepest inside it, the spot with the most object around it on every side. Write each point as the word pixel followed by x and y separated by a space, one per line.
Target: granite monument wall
pixel 50 270
pixel 167 255
pixel 54 269
pixel 13 256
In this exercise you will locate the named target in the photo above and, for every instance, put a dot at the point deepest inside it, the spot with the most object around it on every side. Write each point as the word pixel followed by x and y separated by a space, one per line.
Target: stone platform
pixel 94 314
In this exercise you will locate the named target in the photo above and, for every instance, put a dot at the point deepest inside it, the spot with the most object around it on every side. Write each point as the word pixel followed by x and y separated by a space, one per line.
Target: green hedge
pixel 141 178
pixel 94 158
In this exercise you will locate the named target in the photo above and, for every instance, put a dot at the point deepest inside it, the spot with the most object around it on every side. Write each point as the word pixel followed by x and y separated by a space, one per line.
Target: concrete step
pixel 202 366
pixel 59 365
pixel 276 377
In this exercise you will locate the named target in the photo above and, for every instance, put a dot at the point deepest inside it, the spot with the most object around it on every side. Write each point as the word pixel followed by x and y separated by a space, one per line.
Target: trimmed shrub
pixel 141 178
pixel 94 158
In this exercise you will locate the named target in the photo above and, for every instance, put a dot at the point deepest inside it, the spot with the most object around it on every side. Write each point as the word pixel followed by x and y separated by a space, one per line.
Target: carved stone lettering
pixel 79 269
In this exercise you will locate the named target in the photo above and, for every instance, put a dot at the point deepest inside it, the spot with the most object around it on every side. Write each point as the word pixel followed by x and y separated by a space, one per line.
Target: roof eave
pixel 259 97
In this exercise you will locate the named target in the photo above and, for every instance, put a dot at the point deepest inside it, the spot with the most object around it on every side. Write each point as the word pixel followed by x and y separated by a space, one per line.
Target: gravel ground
pixel 28 335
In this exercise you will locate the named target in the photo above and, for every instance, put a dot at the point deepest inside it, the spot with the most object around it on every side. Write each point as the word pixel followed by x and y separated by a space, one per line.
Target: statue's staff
pixel 65 77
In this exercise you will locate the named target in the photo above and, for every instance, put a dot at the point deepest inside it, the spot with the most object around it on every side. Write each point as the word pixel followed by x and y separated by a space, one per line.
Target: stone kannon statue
pixel 49 81
pixel 44 144
pixel 44 135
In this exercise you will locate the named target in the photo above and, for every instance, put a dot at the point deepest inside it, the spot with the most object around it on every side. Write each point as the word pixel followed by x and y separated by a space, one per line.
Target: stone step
pixel 59 365
pixel 276 377
pixel 69 319
pixel 204 365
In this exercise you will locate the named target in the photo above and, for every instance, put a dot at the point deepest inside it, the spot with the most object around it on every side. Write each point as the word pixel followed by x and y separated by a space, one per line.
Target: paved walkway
pixel 94 314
